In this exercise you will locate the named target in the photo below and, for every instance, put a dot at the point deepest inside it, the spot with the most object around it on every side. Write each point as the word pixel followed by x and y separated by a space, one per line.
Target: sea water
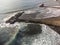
pixel 14 34
pixel 10 5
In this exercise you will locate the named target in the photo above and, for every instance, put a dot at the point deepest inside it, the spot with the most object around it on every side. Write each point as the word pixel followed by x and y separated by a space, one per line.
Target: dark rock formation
pixel 42 5
pixel 13 19
pixel 33 29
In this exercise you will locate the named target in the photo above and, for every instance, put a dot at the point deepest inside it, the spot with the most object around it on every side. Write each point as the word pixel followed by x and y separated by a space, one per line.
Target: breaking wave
pixel 15 34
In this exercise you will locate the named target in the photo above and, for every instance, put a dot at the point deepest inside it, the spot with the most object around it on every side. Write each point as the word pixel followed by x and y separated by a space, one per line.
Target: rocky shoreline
pixel 46 16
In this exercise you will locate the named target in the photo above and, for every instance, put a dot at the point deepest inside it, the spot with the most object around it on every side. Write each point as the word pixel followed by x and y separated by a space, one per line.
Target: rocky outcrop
pixel 52 17
pixel 13 19
pixel 41 5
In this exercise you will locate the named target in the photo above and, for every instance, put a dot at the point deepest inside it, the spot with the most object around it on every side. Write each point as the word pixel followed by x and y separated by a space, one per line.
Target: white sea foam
pixel 8 32
pixel 52 12
pixel 47 37
pixel 30 11
pixel 10 15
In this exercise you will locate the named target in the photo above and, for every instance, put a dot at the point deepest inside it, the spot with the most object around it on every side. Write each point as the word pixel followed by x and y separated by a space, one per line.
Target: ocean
pixel 15 34
pixel 15 5
pixel 10 5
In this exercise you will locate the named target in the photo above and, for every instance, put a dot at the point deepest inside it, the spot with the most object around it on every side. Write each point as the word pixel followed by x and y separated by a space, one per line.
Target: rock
pixel 33 29
pixel 42 5
pixel 13 19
